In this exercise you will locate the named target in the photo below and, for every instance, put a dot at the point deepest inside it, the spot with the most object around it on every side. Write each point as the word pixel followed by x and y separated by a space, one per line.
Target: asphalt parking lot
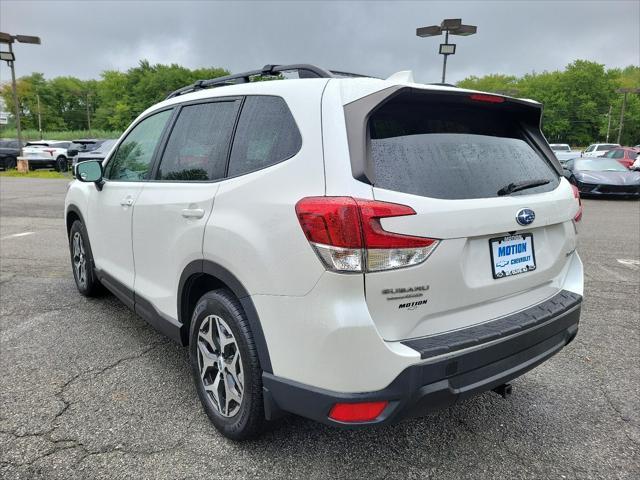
pixel 88 390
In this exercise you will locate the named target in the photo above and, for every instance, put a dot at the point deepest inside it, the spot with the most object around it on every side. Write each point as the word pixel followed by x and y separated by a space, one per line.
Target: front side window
pixel 266 134
pixel 199 142
pixel 590 149
pixel 617 154
pixel 132 160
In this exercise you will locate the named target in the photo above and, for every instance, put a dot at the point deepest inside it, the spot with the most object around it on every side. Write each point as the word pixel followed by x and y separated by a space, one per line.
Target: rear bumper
pixel 503 353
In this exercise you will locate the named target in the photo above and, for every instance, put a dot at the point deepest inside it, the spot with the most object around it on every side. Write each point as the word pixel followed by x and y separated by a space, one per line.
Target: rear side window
pixel 451 151
pixel 604 148
pixel 266 134
pixel 199 142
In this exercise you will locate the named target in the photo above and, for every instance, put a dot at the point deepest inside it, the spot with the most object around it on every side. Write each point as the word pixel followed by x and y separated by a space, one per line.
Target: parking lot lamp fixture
pixel 10 58
pixel 451 26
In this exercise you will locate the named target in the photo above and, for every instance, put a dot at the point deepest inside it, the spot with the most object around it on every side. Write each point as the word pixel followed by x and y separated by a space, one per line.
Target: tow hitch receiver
pixel 503 390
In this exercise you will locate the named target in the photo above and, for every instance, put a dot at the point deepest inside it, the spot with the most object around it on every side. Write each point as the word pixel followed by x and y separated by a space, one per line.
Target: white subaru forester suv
pixel 352 250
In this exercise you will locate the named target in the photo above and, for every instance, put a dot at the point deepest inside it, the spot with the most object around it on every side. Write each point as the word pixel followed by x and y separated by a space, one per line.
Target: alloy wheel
pixel 220 365
pixel 79 260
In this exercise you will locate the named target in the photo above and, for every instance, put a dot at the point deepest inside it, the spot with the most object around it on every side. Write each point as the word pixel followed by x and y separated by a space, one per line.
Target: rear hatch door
pixel 447 155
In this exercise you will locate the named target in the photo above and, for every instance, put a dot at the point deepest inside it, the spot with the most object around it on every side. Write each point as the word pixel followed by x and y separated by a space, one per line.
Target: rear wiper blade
pixel 516 187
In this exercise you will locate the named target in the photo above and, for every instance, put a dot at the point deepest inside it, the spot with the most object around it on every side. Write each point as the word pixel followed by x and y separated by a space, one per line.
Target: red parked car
pixel 625 155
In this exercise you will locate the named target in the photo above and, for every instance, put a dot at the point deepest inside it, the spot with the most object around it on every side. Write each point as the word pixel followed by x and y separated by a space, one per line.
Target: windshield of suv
pixel 599 165
pixel 451 151
pixel 603 148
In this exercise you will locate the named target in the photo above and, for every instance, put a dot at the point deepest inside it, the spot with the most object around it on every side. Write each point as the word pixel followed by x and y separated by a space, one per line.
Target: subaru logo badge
pixel 526 216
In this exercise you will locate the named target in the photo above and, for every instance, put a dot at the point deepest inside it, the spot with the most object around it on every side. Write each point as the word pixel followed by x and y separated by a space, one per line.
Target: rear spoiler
pixel 357 114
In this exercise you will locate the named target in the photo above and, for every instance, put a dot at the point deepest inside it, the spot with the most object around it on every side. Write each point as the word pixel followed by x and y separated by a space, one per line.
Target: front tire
pixel 225 366
pixel 10 163
pixel 82 261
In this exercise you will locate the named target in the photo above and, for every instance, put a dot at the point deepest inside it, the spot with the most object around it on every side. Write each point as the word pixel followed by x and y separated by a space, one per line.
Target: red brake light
pixel 481 97
pixel 576 194
pixel 376 237
pixel 346 234
pixel 357 412
pixel 331 221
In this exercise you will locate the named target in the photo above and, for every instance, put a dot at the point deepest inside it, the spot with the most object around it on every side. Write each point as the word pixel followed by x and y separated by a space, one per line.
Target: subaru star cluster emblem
pixel 526 216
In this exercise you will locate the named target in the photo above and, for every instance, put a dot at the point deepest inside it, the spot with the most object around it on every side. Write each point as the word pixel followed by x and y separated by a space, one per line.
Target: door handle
pixel 193 212
pixel 127 201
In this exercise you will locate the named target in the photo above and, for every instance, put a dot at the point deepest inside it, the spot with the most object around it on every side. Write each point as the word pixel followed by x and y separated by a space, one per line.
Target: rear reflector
pixel 481 97
pixel 347 235
pixel 576 194
pixel 357 412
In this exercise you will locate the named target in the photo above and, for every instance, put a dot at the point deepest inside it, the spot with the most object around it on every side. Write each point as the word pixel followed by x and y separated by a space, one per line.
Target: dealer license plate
pixel 512 255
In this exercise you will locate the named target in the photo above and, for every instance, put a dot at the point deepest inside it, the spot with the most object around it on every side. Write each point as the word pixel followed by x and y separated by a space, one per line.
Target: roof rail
pixel 303 69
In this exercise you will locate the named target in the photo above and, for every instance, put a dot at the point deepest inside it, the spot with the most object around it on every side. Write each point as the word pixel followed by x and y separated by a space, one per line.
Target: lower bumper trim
pixel 435 384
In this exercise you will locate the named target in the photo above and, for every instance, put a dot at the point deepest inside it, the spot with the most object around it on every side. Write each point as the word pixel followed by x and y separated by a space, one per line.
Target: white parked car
pixel 47 154
pixel 352 250
pixel 563 151
pixel 599 149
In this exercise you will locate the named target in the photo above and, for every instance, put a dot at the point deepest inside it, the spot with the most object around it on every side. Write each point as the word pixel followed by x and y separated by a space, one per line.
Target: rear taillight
pixel 576 194
pixel 49 151
pixel 347 235
pixel 357 412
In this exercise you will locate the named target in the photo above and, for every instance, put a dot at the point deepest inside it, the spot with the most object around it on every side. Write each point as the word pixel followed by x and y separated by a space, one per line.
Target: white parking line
pixel 629 262
pixel 15 235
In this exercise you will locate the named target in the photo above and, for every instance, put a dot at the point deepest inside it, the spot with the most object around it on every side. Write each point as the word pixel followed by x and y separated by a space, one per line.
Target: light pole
pixel 10 58
pixel 451 26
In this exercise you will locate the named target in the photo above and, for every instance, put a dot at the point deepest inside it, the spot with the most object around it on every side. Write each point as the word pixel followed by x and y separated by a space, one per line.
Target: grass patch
pixel 30 134
pixel 36 174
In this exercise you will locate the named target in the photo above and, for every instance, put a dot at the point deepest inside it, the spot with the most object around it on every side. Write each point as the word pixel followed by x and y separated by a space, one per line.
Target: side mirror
pixel 89 171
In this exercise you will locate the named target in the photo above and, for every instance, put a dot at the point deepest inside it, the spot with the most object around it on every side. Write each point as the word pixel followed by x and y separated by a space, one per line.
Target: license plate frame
pixel 528 265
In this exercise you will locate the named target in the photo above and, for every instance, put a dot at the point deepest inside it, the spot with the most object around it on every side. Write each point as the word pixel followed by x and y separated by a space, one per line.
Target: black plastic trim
pixel 208 267
pixel 141 306
pixel 433 384
pixel 490 331
pixel 124 293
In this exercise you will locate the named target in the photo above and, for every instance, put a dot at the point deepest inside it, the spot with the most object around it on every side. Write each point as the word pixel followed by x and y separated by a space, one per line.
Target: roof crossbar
pixel 304 71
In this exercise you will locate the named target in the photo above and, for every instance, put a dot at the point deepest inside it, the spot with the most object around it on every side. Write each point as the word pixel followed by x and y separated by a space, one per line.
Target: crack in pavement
pixel 69 443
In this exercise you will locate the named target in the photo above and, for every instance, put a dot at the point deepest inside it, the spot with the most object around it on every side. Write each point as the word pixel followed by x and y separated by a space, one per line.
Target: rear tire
pixel 225 366
pixel 62 165
pixel 82 261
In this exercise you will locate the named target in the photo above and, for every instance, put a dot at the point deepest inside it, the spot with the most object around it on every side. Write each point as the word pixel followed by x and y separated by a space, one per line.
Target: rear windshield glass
pixel 451 151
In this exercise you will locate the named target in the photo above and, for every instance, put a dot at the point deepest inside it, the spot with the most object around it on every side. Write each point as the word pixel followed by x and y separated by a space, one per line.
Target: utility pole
pixel 88 112
pixel 14 89
pixel 39 116
pixel 624 104
pixel 609 122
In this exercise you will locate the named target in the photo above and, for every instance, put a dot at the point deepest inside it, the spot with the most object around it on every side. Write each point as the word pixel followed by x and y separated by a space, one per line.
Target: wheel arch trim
pixel 207 267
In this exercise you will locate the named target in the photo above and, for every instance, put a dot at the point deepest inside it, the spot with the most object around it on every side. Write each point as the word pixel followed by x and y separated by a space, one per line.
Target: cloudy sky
pixel 378 38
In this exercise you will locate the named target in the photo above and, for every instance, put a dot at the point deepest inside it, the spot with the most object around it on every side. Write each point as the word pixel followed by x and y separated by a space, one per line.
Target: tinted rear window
pixel 267 134
pixel 451 151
